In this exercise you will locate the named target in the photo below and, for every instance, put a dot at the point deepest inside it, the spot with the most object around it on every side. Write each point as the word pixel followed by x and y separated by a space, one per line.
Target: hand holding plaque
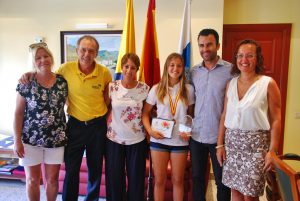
pixel 163 126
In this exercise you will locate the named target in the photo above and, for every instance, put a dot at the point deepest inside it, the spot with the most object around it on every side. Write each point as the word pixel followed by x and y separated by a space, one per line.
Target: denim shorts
pixel 168 148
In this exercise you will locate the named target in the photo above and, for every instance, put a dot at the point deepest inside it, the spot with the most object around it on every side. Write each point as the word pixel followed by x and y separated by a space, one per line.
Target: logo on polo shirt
pixel 98 86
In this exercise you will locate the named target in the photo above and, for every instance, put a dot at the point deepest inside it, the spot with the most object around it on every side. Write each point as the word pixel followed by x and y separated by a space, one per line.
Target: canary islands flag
pixel 185 38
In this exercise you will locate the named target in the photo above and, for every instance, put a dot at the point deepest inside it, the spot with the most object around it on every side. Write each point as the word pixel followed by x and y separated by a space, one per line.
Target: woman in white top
pixel 250 124
pixel 174 99
pixel 126 146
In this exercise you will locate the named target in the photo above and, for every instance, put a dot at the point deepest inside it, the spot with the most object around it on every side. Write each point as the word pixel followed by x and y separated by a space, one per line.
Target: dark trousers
pixel 90 138
pixel 133 157
pixel 199 157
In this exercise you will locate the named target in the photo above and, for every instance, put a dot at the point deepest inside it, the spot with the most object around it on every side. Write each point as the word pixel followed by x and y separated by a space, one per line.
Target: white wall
pixel 21 21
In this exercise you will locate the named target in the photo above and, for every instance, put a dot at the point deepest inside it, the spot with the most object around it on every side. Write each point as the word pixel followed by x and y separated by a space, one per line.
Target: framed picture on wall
pixel 109 42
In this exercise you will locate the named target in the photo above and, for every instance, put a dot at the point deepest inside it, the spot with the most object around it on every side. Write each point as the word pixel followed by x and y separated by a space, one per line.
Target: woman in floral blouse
pixel 39 125
pixel 126 146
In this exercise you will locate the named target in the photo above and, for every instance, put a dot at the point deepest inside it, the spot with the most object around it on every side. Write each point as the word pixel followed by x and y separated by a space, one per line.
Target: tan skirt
pixel 243 168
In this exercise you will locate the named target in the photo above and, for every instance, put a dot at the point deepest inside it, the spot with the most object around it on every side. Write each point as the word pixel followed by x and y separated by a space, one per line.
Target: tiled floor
pixel 12 190
pixel 212 191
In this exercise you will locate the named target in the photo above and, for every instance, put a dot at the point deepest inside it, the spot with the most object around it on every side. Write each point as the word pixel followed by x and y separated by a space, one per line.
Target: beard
pixel 210 56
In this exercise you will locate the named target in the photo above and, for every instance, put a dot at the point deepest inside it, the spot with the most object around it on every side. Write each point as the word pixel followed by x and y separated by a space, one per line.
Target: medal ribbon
pixel 173 106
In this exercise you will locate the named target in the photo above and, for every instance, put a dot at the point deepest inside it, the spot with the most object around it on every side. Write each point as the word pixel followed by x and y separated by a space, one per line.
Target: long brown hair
pixel 163 85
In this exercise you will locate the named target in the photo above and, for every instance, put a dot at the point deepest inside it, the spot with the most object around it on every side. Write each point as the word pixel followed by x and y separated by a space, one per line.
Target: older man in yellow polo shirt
pixel 87 123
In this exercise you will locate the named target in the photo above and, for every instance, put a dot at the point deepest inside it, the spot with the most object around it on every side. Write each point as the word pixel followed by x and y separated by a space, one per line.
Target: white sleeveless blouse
pixel 251 112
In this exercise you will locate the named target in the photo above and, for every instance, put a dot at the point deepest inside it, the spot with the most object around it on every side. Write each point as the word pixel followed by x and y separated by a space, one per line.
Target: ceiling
pixel 101 8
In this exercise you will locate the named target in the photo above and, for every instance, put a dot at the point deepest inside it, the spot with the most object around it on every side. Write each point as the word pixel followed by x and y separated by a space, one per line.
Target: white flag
pixel 185 38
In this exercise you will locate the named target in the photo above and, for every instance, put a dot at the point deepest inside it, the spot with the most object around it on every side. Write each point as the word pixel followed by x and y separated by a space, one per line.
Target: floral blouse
pixel 44 123
pixel 125 126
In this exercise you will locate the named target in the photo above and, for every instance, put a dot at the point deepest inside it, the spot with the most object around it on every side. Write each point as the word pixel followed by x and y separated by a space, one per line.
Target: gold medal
pixel 173 106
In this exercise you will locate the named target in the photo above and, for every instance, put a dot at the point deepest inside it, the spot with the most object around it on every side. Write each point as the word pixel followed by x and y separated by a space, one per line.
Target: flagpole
pixel 150 72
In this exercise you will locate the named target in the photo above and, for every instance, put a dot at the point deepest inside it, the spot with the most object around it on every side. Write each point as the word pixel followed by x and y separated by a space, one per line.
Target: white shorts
pixel 38 155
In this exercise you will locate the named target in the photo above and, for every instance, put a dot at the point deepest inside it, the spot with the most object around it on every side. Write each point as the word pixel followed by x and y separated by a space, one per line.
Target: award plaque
pixel 186 124
pixel 163 126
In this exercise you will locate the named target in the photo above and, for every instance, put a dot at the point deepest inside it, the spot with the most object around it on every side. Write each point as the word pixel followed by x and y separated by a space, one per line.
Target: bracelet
pixel 219 146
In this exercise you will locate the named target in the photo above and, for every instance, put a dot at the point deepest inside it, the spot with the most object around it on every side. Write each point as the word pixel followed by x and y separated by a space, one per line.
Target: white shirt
pixel 125 126
pixel 164 111
pixel 251 112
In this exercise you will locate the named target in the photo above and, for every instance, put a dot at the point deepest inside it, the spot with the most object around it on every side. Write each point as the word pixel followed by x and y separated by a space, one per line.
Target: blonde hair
pixel 35 47
pixel 163 85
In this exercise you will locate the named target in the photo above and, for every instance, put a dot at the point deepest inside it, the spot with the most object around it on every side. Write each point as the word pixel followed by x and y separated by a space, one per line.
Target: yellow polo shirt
pixel 85 92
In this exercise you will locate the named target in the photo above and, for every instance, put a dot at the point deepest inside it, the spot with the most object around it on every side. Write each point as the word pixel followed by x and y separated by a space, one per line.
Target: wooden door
pixel 275 42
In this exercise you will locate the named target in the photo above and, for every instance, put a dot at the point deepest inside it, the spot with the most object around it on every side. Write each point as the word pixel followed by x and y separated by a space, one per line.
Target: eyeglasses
pixel 247 56
pixel 36 45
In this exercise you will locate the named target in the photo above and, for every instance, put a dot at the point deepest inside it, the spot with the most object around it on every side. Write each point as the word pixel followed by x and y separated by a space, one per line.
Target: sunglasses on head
pixel 35 45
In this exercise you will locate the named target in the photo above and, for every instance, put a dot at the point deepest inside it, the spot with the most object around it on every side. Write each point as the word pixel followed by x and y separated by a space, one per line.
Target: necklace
pixel 244 85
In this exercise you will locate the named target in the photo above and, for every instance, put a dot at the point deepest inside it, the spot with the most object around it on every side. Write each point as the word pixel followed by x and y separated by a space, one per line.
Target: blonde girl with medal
pixel 174 99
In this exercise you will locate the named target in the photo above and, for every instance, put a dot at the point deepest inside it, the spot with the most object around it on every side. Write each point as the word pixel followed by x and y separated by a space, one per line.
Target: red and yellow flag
pixel 150 67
